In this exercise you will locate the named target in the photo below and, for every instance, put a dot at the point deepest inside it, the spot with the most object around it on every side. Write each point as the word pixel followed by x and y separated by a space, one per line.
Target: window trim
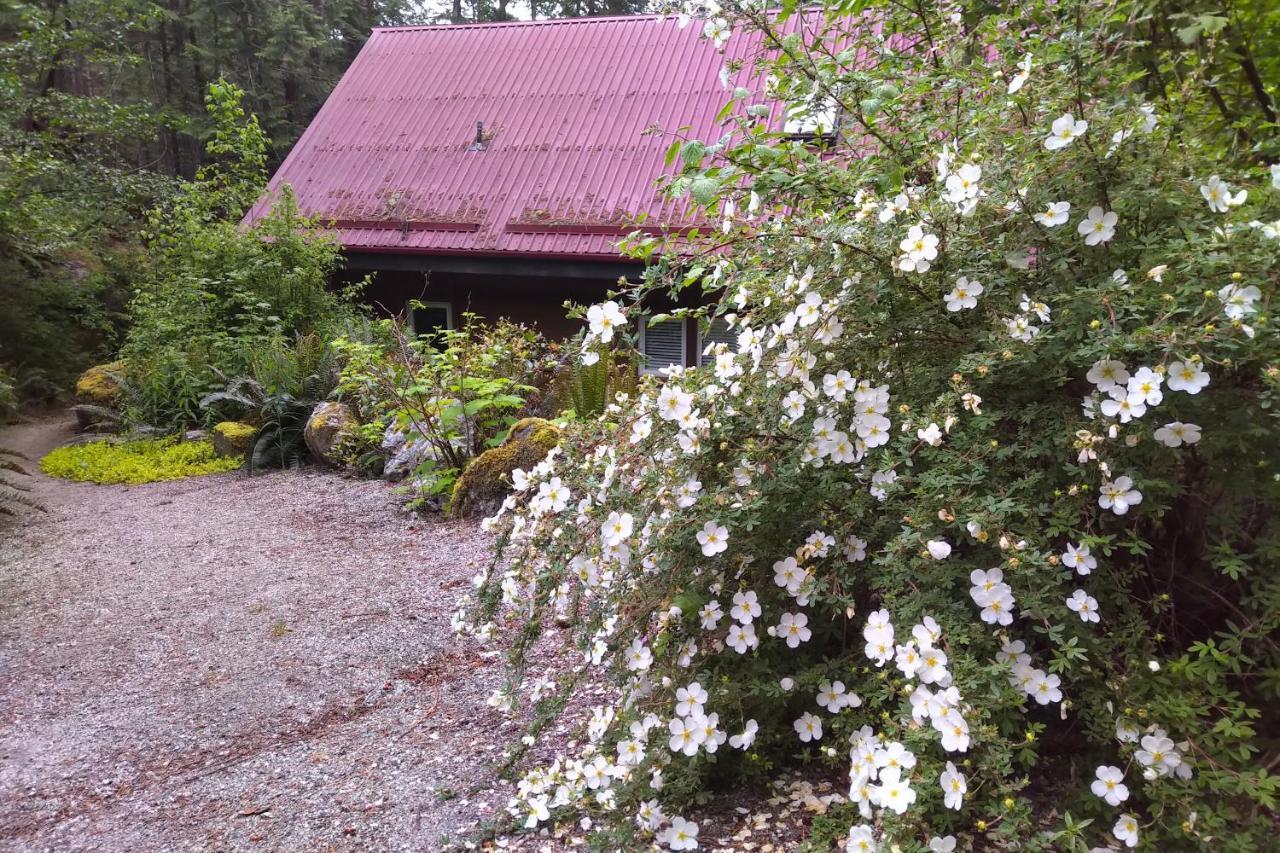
pixel 448 313
pixel 646 368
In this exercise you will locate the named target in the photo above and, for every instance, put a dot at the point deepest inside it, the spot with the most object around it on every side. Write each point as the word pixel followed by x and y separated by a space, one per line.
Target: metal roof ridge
pixel 475 25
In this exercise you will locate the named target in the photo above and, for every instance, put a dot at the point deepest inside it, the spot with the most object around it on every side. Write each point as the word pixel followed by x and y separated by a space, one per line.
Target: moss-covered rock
pixel 100 385
pixel 233 438
pixel 487 480
pixel 328 423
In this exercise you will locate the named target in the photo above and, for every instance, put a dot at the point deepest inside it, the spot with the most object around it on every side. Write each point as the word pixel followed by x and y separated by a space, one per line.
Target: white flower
pixel 742 638
pixel 1098 226
pixel 1144 388
pixel 808 727
pixel 972 402
pixel 746 606
pixel 1024 71
pixel 590 357
pixel 1119 495
pixel 1158 753
pixel 792 628
pixel 687 734
pixel 617 528
pixel 674 404
pixel 942 844
pixel 939 549
pixel 641 429
pixel 861 839
pixel 964 295
pixel 639 658
pixel 1022 329
pixel 748 736
pixel 963 184
pixel 681 835
pixel 1275 176
pixel 1064 131
pixel 1078 557
pixel 604 319
pixel 899 204
pixel 689 700
pixel 1187 376
pixel 710 615
pixel 713 538
pixel 837 385
pixel 1237 301
pixel 1110 785
pixel 1219 196
pixel 918 249
pixel 930 435
pixel 649 815
pixel 831 696
pixel 855 549
pixel 1084 604
pixel 1176 434
pixel 892 793
pixel 993 595
pixel 954 787
pixel 793 405
pixel 1126 830
pixel 716 29
pixel 1054 214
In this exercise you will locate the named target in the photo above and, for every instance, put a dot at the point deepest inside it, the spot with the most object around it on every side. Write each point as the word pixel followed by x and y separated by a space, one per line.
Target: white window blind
pixel 719 333
pixel 663 345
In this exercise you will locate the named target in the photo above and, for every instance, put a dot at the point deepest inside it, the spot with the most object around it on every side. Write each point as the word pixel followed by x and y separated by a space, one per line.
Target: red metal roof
pixel 567 102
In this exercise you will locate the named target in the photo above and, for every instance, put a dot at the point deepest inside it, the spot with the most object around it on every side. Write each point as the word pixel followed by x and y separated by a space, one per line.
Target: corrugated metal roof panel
pixel 564 104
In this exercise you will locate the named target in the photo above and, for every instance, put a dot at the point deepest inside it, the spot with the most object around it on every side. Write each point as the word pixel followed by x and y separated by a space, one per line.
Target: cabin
pixel 494 168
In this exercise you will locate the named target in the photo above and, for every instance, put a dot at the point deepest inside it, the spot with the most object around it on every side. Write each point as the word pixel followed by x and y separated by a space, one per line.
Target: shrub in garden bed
pixel 455 394
pixel 980 512
pixel 134 462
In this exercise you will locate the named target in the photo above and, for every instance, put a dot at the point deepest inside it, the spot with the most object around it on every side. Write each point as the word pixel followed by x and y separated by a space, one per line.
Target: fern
pixel 12 493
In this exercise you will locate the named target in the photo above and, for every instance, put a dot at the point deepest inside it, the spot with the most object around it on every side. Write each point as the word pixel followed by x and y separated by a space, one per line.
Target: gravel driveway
pixel 236 663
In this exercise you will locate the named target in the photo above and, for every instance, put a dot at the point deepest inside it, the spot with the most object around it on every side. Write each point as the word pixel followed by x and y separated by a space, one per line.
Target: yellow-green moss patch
pixel 134 462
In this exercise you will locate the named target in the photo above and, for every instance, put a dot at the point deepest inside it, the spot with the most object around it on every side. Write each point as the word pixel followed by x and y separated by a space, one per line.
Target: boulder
pixel 96 419
pixel 195 435
pixel 404 452
pixel 100 385
pixel 487 480
pixel 233 438
pixel 326 426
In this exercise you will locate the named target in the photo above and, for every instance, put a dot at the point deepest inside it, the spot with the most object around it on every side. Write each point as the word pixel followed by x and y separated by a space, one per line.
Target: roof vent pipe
pixel 479 144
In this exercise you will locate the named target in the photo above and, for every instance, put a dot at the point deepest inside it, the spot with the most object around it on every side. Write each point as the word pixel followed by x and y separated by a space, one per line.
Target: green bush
pixel 215 298
pixel 134 462
pixel 981 515
pixel 459 390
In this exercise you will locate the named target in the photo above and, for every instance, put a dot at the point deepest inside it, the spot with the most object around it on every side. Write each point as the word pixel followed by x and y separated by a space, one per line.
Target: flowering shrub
pixel 980 511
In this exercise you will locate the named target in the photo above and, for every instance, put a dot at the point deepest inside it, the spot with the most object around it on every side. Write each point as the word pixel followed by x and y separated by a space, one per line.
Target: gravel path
pixel 236 663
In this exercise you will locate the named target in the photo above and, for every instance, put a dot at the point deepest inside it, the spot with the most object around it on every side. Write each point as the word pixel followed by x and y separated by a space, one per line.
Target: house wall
pixel 534 299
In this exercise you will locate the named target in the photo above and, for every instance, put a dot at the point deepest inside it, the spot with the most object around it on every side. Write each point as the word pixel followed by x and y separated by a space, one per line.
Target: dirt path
pixel 235 663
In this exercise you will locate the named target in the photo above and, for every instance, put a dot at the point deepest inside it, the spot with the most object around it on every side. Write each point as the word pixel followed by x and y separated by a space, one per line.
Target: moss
pixel 99 386
pixel 487 480
pixel 233 438
pixel 134 462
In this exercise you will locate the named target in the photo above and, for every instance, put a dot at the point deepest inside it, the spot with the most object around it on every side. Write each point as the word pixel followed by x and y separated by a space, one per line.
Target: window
pixel 820 117
pixel 426 318
pixel 719 333
pixel 662 345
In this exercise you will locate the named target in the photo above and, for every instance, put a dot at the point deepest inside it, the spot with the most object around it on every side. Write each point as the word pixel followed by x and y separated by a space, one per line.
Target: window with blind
pixel 719 333
pixel 662 345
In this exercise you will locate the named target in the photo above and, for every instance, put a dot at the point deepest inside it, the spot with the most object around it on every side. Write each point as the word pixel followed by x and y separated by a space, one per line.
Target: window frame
pixel 651 370
pixel 448 313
